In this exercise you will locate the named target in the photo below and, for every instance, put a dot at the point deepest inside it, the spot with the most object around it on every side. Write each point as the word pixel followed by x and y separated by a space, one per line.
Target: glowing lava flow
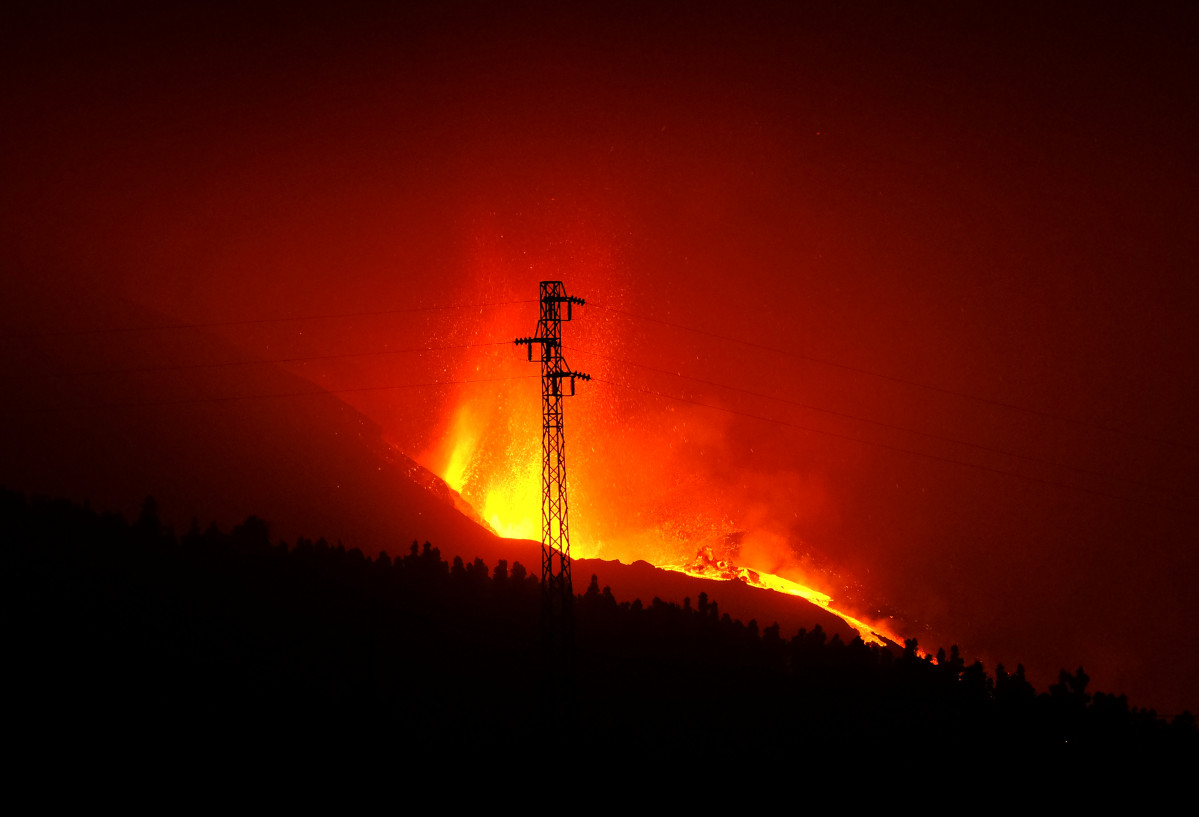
pixel 870 633
pixel 487 456
pixel 508 498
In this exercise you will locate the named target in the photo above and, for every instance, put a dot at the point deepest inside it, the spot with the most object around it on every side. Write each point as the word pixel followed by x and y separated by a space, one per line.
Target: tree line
pixel 214 636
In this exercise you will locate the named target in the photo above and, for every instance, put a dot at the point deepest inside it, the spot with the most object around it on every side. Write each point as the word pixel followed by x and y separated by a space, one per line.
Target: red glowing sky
pixel 910 289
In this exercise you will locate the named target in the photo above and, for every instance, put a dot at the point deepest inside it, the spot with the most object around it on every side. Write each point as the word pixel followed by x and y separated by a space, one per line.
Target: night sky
pixel 898 296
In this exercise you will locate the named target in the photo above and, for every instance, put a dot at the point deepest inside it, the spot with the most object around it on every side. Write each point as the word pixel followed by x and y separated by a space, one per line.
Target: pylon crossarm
pixel 569 300
pixel 546 345
pixel 555 539
pixel 572 375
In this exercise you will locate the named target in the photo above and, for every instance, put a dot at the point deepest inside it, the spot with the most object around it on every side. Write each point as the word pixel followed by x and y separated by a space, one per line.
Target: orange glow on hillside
pixel 512 503
pixel 705 568
pixel 489 452
pixel 464 442
pixel 493 468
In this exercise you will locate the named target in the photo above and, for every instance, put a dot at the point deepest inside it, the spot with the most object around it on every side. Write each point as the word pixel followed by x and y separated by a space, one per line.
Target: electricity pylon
pixel 557 592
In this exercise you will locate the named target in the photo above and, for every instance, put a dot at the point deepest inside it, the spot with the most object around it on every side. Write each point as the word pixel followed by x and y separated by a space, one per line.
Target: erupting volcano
pixel 887 306
pixel 490 454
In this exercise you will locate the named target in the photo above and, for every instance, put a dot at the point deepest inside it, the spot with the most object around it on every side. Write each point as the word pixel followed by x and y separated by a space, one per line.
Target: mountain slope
pixel 230 438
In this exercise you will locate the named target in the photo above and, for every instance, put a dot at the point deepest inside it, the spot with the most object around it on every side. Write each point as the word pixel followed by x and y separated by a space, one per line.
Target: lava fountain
pixel 632 497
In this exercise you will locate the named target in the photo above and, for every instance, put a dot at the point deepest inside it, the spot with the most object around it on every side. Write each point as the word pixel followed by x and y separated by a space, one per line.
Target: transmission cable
pixel 252 321
pixel 892 426
pixel 895 379
pixel 889 447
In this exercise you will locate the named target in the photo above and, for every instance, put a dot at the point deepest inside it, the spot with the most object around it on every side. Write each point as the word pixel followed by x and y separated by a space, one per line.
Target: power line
pixel 252 321
pixel 892 426
pixel 268 396
pixel 904 381
pixel 799 404
pixel 263 361
pixel 889 447
pixel 659 321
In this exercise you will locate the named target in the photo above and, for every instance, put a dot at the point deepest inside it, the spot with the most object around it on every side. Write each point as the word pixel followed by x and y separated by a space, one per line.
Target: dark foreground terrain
pixel 192 644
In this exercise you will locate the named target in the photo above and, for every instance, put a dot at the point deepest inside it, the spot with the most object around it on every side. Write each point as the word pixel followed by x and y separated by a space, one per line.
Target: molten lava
pixel 490 455
pixel 505 489
pixel 706 566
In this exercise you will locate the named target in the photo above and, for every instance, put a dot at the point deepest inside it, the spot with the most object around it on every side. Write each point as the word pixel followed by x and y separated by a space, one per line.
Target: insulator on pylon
pixel 572 375
pixel 557 591
pixel 546 343
pixel 569 300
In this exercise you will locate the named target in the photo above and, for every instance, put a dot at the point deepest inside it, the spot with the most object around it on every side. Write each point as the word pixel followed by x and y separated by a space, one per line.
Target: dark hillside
pixel 304 460
pixel 203 439
pixel 215 640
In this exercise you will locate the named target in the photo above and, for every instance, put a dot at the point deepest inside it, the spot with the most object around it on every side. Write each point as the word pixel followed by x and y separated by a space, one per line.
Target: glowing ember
pixel 706 566
pixel 493 469
pixel 633 496
pixel 512 503
pixel 465 441
pixel 505 486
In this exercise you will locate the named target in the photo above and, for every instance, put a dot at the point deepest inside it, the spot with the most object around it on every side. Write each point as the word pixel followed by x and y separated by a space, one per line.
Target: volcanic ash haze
pixel 899 300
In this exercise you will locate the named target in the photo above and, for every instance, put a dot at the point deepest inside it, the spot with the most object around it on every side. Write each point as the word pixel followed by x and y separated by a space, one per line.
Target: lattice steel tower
pixel 557 592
